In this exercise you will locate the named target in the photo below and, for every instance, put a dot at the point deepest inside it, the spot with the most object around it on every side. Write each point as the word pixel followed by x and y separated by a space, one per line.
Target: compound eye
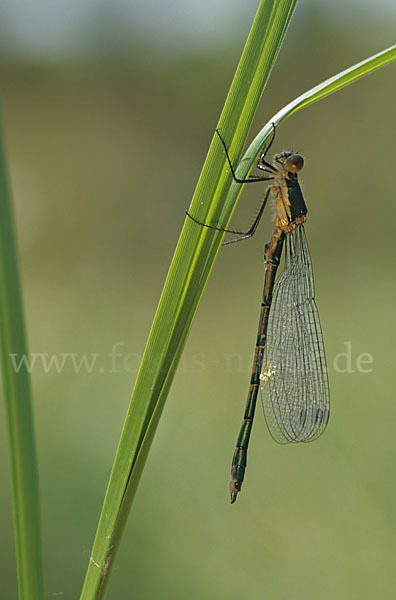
pixel 294 163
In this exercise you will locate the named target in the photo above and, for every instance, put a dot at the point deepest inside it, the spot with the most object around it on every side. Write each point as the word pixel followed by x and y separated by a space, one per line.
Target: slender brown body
pixel 290 211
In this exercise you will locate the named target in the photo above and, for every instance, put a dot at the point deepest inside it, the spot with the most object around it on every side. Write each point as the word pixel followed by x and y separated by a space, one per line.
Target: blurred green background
pixel 108 112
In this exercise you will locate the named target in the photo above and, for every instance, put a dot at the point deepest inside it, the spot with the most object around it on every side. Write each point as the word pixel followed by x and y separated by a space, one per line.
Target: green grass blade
pixel 17 398
pixel 324 89
pixel 187 277
pixel 337 82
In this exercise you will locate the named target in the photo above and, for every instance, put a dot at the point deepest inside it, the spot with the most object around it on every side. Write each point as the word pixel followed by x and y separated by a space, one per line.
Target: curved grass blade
pixel 319 92
pixel 187 277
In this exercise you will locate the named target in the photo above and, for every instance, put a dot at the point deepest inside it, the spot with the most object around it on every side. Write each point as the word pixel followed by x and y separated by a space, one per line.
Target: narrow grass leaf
pixel 17 397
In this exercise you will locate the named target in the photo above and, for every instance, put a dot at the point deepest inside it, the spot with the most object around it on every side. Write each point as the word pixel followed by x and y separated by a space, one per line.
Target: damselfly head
pixel 292 163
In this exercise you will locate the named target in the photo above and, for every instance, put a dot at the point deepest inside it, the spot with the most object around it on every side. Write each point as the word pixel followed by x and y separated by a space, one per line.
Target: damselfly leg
pixel 263 165
pixel 261 162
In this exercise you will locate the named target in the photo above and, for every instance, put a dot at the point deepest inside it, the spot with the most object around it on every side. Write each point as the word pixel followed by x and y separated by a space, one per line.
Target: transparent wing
pixel 294 384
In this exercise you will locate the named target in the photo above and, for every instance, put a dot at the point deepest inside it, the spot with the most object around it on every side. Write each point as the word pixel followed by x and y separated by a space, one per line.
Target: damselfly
pixel 289 363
